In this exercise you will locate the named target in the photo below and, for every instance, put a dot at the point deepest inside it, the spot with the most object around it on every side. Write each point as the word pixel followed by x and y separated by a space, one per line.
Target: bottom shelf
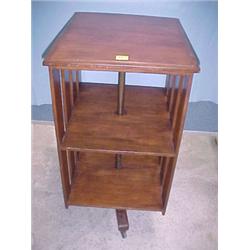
pixel 97 183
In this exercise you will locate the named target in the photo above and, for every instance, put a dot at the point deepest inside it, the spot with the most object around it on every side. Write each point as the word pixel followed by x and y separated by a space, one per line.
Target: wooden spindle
pixel 121 93
pixel 120 109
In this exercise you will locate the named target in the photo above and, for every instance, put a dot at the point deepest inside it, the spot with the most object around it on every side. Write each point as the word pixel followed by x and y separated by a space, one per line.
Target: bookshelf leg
pixel 122 220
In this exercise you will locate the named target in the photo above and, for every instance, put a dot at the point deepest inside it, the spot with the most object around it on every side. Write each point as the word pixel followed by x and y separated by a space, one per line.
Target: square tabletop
pixel 120 42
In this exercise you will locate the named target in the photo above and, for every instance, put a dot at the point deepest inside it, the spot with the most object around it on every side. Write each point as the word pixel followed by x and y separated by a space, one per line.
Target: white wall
pixel 199 19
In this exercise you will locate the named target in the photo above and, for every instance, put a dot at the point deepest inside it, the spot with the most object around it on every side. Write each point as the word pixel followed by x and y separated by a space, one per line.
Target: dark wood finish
pixel 94 125
pixel 136 185
pixel 122 221
pixel 91 41
pixel 118 144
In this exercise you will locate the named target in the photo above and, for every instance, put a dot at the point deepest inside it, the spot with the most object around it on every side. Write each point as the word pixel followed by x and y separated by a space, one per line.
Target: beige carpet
pixel 190 221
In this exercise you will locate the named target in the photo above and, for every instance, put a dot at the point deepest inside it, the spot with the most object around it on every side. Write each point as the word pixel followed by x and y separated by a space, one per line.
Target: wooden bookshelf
pixel 118 144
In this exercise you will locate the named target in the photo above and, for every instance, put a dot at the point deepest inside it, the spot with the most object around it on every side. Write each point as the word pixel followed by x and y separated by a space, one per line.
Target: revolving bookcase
pixel 118 143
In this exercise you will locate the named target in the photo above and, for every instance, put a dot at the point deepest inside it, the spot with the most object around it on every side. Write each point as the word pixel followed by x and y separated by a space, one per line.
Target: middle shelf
pixel 94 125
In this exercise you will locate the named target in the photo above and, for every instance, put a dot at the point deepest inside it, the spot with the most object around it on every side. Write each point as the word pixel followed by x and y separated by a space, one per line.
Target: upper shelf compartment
pixel 127 43
pixel 95 126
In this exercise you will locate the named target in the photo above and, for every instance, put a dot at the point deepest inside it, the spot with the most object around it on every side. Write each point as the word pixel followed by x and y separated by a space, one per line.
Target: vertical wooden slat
pixel 172 92
pixel 75 163
pixel 168 94
pixel 66 96
pixel 64 93
pixel 55 87
pixel 178 130
pixel 76 94
pixel 77 82
pixel 177 102
pixel 67 88
pixel 71 88
pixel 182 110
pixel 167 85
pixel 69 163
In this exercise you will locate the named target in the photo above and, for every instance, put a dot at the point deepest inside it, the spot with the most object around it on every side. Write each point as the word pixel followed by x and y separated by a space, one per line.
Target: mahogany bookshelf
pixel 118 144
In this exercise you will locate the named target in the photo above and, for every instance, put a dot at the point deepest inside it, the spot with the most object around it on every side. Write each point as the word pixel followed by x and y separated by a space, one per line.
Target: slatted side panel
pixel 57 101
pixel 177 104
pixel 70 91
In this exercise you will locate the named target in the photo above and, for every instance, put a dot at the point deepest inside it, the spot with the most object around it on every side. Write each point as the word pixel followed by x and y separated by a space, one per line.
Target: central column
pixel 121 93
pixel 120 109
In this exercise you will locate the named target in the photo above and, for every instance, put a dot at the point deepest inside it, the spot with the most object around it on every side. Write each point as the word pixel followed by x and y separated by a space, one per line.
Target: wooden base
pixel 122 220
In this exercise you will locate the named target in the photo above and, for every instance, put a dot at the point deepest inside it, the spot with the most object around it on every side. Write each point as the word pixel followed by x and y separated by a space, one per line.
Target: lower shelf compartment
pixel 97 183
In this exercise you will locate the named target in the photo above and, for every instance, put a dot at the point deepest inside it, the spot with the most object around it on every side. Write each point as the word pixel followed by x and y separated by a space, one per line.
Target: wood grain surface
pixel 91 41
pixel 134 186
pixel 95 126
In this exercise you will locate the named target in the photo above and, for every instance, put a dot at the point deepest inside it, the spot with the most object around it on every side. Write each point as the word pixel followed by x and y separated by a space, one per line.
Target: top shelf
pixel 91 41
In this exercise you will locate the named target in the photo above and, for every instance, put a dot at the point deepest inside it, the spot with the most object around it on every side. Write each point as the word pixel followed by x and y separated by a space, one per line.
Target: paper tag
pixel 121 57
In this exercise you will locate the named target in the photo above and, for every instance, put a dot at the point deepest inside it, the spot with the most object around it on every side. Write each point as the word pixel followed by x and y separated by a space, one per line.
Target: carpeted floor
pixel 190 221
